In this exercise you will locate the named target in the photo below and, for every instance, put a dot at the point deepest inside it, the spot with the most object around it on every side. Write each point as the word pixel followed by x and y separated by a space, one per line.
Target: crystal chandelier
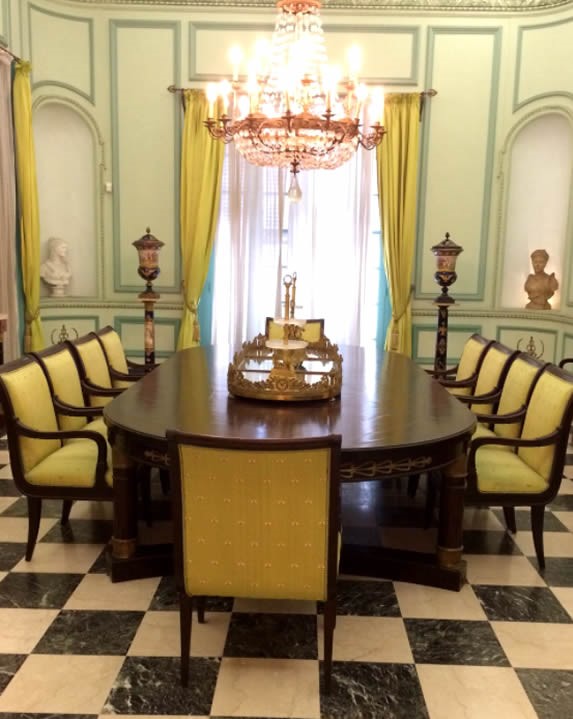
pixel 295 110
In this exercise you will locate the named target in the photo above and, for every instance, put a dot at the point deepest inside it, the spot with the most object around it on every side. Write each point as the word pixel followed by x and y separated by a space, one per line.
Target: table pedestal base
pixel 149 560
pixel 401 565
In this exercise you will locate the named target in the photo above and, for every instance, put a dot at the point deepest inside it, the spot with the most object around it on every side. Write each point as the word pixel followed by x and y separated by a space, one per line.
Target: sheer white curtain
pixel 331 239
pixel 8 274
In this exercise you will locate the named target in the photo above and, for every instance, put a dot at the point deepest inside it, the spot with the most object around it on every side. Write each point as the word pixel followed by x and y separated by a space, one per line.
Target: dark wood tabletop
pixel 387 403
pixel 394 419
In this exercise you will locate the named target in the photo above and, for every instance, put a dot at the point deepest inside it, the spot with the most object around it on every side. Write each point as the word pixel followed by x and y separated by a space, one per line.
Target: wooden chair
pixel 493 370
pixel 461 379
pixel 47 462
pixel 256 519
pixel 530 473
pixel 94 369
pixel 121 369
pixel 313 330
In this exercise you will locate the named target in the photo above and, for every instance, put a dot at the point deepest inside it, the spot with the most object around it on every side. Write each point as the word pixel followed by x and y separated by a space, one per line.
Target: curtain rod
pixel 424 95
pixel 9 52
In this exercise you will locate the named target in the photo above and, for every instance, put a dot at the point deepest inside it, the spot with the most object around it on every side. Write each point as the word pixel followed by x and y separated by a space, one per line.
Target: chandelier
pixel 295 110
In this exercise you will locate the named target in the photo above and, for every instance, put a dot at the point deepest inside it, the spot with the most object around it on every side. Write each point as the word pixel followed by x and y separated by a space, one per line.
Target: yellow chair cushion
pixel 30 395
pixel 544 415
pixel 229 549
pixel 65 379
pixel 73 465
pixel 514 395
pixel 499 471
pixel 114 351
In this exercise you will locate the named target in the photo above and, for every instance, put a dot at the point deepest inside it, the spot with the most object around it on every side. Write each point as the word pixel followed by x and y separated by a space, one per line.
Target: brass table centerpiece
pixel 290 368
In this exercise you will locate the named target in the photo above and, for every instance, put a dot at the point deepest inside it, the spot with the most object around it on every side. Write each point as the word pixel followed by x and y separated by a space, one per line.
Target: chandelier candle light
pixel 295 110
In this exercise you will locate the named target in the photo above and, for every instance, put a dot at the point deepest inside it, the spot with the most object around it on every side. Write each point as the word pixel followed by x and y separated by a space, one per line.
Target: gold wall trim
pixel 483 6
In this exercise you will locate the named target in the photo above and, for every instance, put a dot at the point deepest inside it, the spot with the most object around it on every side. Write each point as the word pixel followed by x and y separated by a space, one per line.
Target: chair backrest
pixel 255 519
pixel 519 382
pixel 313 330
pixel 92 364
pixel 113 348
pixel 63 377
pixel 25 395
pixel 492 373
pixel 550 408
pixel 472 356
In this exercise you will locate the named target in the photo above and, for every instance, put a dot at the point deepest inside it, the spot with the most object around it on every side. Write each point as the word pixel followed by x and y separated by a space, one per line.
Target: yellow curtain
pixel 201 172
pixel 28 206
pixel 397 159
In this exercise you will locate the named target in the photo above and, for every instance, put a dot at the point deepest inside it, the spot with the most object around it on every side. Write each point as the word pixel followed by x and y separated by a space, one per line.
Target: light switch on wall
pixel 108 186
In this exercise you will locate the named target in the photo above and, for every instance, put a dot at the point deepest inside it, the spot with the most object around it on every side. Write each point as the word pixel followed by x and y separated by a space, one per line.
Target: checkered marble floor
pixel 73 644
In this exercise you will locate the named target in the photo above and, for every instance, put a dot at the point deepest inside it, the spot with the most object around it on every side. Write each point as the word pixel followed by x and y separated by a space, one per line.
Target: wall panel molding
pixel 58 67
pixel 206 38
pixel 450 172
pixel 5 20
pixel 418 330
pixel 121 323
pixel 543 65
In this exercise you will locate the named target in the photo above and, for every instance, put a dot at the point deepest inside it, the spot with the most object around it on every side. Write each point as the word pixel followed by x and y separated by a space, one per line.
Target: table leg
pixel 450 528
pixel 124 540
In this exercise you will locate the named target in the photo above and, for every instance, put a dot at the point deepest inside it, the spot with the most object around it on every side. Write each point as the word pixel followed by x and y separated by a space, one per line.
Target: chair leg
pixel 66 509
pixel 200 604
pixel 34 514
pixel 329 624
pixel 509 515
pixel 185 613
pixel 537 517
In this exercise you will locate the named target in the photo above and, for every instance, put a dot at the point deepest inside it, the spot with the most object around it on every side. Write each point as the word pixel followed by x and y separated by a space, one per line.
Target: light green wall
pixel 492 70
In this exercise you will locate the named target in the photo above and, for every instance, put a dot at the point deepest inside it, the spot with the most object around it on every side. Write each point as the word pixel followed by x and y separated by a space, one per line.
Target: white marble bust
pixel 55 270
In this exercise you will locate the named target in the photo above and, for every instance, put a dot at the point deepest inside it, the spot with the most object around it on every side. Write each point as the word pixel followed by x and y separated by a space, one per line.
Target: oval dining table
pixel 394 418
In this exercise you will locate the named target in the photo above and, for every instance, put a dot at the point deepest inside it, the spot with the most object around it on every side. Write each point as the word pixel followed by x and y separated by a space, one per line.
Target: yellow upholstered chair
pixel 529 475
pixel 492 372
pixel 313 330
pixel 48 462
pixel 122 370
pixel 461 379
pixel 256 519
pixel 94 371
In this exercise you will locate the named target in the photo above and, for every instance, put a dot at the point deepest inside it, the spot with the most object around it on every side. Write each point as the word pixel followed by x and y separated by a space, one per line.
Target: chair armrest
pixel 26 431
pixel 508 418
pixel 75 411
pixel 437 373
pixel 116 374
pixel 543 441
pixel 99 391
pixel 469 382
pixel 564 361
pixel 486 398
pixel 136 367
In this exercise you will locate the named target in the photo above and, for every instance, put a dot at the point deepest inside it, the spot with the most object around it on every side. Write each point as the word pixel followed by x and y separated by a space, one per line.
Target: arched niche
pixel 68 191
pixel 537 203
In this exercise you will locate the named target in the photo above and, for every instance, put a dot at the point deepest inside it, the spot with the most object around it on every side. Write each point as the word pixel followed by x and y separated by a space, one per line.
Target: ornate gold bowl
pixel 289 373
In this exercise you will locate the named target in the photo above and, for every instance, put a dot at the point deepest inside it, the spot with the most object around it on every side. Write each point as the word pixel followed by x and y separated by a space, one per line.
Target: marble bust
pixel 540 286
pixel 55 270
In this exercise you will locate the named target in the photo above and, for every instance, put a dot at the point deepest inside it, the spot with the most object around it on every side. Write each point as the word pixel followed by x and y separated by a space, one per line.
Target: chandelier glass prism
pixel 295 110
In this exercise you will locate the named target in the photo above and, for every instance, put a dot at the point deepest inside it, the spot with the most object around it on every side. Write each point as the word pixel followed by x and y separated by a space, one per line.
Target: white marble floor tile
pixel 6 502
pixel 453 692
pixel 158 635
pixel 420 602
pixel 15 529
pixel 92 510
pixel 6 472
pixel 267 687
pixel 59 557
pixel 503 570
pixel 97 591
pixel 61 684
pixel 555 544
pixel 367 639
pixel 480 518
pixel 565 518
pixel 22 629
pixel 536 645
